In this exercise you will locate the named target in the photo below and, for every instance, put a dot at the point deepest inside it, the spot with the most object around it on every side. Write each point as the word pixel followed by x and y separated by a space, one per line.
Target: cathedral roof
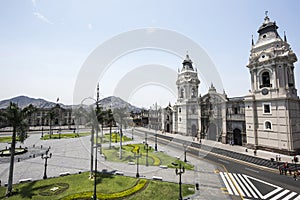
pixel 267 26
pixel 187 63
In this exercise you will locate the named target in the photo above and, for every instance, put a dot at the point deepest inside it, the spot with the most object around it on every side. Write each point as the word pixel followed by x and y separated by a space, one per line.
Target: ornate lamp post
pixel 132 134
pixel 46 157
pixel 185 149
pixel 137 155
pixel 179 171
pixel 155 142
pixel 146 138
pixel 147 148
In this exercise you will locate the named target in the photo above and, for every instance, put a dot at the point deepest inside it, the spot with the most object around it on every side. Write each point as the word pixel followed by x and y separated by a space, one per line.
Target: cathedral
pixel 266 118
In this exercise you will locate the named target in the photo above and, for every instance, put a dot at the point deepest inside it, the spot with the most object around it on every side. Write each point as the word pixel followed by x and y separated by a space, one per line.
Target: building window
pixel 193 93
pixel 267 108
pixel 268 125
pixel 179 110
pixel 180 119
pixel 181 93
pixel 265 78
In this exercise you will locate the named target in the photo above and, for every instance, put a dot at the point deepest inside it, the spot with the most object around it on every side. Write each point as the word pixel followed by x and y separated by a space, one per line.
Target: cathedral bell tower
pixel 186 108
pixel 272 108
pixel 271 64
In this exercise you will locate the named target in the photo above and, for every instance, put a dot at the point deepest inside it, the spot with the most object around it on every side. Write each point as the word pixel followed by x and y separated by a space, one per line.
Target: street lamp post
pixel 155 142
pixel 147 148
pixel 137 155
pixel 179 171
pixel 95 173
pixel 46 157
pixel 132 134
pixel 185 149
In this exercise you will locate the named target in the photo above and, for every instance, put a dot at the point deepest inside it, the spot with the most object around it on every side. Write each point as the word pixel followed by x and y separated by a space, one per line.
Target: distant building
pixel 155 117
pixel 267 118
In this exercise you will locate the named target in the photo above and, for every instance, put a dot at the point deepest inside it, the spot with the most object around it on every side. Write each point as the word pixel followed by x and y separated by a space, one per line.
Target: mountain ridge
pixel 108 102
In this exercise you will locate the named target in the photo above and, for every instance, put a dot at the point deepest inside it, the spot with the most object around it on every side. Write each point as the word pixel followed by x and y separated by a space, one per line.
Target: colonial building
pixel 267 118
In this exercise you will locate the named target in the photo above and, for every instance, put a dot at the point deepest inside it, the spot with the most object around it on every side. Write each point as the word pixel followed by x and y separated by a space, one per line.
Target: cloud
pixel 90 26
pixel 42 17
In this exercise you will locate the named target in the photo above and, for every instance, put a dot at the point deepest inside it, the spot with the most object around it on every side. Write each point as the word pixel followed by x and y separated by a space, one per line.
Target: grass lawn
pixel 64 135
pixel 107 184
pixel 6 139
pixel 154 158
pixel 115 136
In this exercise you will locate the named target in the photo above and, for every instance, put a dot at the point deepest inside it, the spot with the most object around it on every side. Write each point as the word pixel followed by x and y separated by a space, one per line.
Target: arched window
pixel 265 77
pixel 268 125
pixel 193 93
pixel 181 93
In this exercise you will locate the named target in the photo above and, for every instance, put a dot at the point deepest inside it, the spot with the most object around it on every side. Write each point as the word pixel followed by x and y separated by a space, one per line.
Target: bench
pixel 119 173
pixel 131 163
pixel 25 180
pixel 158 178
pixel 64 174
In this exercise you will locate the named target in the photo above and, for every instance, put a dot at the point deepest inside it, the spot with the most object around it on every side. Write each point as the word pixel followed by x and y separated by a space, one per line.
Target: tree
pixel 121 116
pixel 101 117
pixel 110 122
pixel 17 118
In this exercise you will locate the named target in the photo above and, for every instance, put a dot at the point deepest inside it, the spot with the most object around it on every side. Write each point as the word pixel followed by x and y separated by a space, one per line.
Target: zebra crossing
pixel 243 185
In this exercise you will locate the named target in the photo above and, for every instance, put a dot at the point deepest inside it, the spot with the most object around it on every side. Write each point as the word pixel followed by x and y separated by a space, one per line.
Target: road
pixel 240 178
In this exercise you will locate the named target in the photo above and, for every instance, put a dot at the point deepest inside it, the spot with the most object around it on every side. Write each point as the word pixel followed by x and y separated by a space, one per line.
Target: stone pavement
pixel 73 155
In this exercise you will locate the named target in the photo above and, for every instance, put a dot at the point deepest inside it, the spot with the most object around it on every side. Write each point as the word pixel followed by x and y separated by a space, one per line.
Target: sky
pixel 44 44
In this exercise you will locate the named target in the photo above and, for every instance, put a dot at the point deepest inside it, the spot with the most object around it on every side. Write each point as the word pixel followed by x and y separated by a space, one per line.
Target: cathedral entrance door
pixel 212 132
pixel 168 128
pixel 237 136
pixel 194 130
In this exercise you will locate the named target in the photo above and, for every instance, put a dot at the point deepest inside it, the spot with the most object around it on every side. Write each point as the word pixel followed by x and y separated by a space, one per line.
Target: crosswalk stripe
pixel 225 182
pixel 246 184
pixel 236 185
pixel 242 185
pixel 280 195
pixel 297 198
pixel 231 184
pixel 289 196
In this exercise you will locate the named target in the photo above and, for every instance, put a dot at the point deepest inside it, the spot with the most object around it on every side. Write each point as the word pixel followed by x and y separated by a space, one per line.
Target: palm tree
pixel 121 117
pixel 17 118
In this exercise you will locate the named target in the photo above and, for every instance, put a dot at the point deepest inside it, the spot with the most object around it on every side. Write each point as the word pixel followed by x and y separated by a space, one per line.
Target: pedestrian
pixel 279 168
pixel 254 152
pixel 295 176
pixel 276 157
pixel 279 158
pixel 285 166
